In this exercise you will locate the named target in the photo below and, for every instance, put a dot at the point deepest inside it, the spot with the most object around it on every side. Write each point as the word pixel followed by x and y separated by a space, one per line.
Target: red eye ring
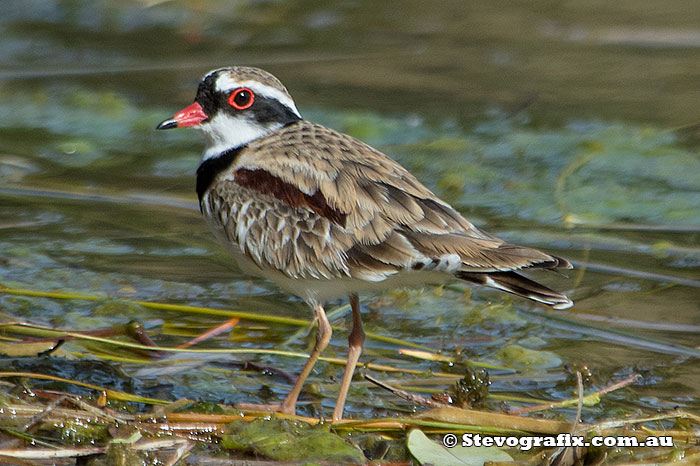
pixel 241 98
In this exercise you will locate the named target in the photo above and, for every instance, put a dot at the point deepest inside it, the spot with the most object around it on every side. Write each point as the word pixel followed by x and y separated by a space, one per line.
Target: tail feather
pixel 554 263
pixel 519 285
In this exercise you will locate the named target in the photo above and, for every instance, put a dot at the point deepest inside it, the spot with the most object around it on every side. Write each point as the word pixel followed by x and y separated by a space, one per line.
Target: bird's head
pixel 235 106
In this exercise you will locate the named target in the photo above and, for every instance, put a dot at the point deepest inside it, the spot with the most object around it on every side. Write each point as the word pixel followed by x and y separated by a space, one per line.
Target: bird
pixel 324 215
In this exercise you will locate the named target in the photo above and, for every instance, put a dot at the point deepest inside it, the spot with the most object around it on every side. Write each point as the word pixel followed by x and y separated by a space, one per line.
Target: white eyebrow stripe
pixel 225 84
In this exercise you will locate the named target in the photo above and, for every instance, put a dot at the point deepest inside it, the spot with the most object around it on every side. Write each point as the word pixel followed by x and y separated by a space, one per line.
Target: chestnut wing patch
pixel 264 182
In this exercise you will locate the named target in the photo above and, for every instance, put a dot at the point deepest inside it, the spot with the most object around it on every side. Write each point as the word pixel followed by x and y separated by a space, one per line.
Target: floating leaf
pixel 428 452
pixel 29 349
pixel 288 440
pixel 519 356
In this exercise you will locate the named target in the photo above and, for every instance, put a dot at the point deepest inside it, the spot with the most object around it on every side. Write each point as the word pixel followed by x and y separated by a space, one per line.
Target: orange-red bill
pixel 189 116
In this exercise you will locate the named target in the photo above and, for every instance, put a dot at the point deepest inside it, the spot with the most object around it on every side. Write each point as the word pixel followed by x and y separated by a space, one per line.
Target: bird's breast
pixel 295 242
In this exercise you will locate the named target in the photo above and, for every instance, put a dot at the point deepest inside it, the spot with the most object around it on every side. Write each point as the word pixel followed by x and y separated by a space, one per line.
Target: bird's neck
pixel 225 134
pixel 211 167
pixel 225 141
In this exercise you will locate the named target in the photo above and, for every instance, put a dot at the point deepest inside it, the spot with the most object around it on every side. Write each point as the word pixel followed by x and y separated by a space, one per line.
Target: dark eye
pixel 241 98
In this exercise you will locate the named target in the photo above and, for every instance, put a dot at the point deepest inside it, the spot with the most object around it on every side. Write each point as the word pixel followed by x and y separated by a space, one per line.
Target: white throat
pixel 225 132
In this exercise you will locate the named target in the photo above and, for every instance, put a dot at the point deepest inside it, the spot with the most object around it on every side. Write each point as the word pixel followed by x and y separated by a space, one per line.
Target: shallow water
pixel 569 127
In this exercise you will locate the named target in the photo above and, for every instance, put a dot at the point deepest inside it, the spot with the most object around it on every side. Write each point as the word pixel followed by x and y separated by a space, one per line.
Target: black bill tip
pixel 167 124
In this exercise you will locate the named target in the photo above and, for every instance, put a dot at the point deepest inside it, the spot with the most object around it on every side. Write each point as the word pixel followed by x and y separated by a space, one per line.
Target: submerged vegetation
pixel 50 380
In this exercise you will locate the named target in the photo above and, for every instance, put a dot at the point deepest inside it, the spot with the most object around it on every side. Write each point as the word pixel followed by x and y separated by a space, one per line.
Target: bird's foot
pixel 274 407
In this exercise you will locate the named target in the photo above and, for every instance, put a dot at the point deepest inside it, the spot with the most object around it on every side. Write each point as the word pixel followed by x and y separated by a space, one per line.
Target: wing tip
pixel 562 263
pixel 563 304
pixel 512 282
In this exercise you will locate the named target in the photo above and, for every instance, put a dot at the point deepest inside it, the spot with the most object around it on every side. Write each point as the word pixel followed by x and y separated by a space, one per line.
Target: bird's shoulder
pixel 314 157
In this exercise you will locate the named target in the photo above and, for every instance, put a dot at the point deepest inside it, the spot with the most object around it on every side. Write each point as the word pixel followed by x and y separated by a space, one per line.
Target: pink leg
pixel 355 342
pixel 288 406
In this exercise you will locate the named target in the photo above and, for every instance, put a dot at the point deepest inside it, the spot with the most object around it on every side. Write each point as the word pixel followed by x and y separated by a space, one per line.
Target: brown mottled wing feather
pixel 393 221
pixel 295 240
